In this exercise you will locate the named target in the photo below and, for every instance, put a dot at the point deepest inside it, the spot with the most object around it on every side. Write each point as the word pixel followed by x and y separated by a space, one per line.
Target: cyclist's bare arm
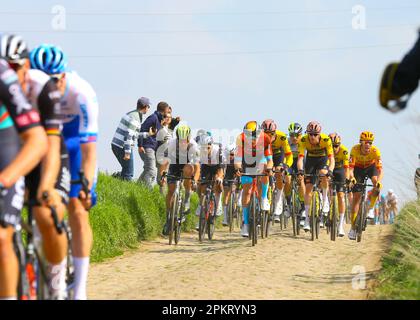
pixel 332 163
pixel 196 172
pixel 50 165
pixel 33 149
pixel 89 161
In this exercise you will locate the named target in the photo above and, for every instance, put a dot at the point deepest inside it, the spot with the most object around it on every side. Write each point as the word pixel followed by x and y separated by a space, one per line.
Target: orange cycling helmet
pixel 335 138
pixel 366 136
pixel 313 127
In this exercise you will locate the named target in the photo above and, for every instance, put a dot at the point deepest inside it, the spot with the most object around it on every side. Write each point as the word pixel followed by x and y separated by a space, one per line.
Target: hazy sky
pixel 221 63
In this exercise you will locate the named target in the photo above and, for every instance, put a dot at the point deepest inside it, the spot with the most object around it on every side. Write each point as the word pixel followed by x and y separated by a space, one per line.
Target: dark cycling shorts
pixel 208 172
pixel 175 170
pixel 62 184
pixel 278 159
pixel 339 177
pixel 11 203
pixel 229 175
pixel 11 200
pixel 314 164
pixel 294 166
pixel 361 173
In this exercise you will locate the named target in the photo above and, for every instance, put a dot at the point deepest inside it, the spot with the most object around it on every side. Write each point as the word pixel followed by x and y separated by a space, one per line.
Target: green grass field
pixel 400 276
pixel 127 213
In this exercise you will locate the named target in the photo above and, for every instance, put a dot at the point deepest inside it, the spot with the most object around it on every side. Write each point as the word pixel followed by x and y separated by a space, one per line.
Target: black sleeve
pixel 20 110
pixel 408 73
pixel 50 108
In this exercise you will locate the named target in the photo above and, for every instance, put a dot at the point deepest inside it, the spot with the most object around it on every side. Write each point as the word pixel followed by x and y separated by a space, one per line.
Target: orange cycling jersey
pixel 359 160
pixel 342 158
pixel 255 146
pixel 280 144
pixel 322 149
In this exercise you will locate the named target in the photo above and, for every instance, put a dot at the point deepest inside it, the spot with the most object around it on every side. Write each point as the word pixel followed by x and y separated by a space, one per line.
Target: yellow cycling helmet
pixel 251 126
pixel 366 136
pixel 183 132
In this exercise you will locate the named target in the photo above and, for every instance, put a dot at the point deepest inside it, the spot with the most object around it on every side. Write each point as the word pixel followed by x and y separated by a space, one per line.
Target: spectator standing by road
pixel 126 136
pixel 148 146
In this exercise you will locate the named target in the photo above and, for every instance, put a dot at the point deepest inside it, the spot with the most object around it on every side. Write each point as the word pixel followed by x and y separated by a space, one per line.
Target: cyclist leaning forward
pixel 282 161
pixel 229 154
pixel 320 157
pixel 212 169
pixel 365 161
pixel 253 155
pixel 341 176
pixel 183 160
pixel 52 175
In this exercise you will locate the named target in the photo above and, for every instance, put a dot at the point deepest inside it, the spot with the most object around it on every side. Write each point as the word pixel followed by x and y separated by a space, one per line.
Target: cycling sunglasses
pixel 16 65
pixel 314 135
pixel 336 145
pixel 294 135
pixel 367 142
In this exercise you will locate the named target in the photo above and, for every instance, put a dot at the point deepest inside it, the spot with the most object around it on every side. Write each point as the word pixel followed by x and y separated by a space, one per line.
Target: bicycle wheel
pixel 333 218
pixel 202 224
pixel 253 225
pixel 293 211
pixel 23 290
pixel 178 221
pixel 261 222
pixel 230 212
pixel 172 215
pixel 360 221
pixel 211 217
pixel 272 206
pixel 314 214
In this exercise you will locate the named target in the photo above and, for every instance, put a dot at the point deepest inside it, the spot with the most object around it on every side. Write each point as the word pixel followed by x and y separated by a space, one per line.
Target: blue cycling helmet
pixel 48 58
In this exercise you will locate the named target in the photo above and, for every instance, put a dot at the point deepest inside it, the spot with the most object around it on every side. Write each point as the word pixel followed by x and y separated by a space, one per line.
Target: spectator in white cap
pixel 127 135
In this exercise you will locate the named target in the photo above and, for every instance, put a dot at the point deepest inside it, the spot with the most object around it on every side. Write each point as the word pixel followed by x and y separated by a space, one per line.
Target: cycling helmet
pixel 314 127
pixel 269 125
pixel 49 58
pixel 335 138
pixel 13 48
pixel 230 149
pixel 183 132
pixel 295 128
pixel 366 136
pixel 205 140
pixel 250 126
pixel 390 191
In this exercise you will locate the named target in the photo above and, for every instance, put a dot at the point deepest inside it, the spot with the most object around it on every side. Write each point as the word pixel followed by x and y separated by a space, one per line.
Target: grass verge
pixel 400 275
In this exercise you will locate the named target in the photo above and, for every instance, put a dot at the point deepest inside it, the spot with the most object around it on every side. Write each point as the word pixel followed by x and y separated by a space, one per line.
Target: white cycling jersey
pixel 391 199
pixel 183 154
pixel 215 157
pixel 80 109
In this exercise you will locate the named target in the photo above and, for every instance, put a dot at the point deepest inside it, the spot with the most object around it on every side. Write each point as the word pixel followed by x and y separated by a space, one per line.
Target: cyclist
pixel 227 181
pixel 320 157
pixel 391 205
pixel 253 155
pixel 295 135
pixel 183 160
pixel 52 175
pixel 212 165
pixel 365 161
pixel 20 131
pixel 341 175
pixel 80 129
pixel 282 161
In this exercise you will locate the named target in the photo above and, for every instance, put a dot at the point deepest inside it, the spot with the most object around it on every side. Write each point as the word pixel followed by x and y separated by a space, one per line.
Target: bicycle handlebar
pixel 83 181
pixel 58 225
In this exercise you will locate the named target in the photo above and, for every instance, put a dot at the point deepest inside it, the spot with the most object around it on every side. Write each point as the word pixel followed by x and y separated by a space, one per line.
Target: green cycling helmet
pixel 295 128
pixel 183 132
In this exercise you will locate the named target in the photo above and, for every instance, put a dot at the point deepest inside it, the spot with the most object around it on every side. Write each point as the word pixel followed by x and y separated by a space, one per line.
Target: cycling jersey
pixel 322 149
pixel 216 157
pixel 280 144
pixel 43 94
pixel 179 154
pixel 294 149
pixel 359 160
pixel 16 116
pixel 342 158
pixel 80 125
pixel 253 150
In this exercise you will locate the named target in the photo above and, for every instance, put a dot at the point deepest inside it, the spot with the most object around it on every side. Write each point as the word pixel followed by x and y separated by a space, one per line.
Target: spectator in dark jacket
pixel 148 146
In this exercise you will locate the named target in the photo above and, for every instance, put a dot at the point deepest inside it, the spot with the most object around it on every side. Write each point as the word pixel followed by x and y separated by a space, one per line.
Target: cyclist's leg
pixel 310 168
pixel 264 181
pixel 323 169
pixel 288 189
pixel 246 198
pixel 278 203
pixel 188 171
pixel 54 244
pixel 9 269
pixel 373 175
pixel 82 237
pixel 218 176
pixel 339 177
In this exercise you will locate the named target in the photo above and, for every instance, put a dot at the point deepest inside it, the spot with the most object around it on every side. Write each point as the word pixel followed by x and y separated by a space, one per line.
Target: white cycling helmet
pixel 390 191
pixel 230 148
pixel 205 140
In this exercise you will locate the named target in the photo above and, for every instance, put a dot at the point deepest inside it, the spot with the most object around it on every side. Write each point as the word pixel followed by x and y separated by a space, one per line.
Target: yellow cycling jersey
pixel 322 149
pixel 359 160
pixel 342 158
pixel 281 144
